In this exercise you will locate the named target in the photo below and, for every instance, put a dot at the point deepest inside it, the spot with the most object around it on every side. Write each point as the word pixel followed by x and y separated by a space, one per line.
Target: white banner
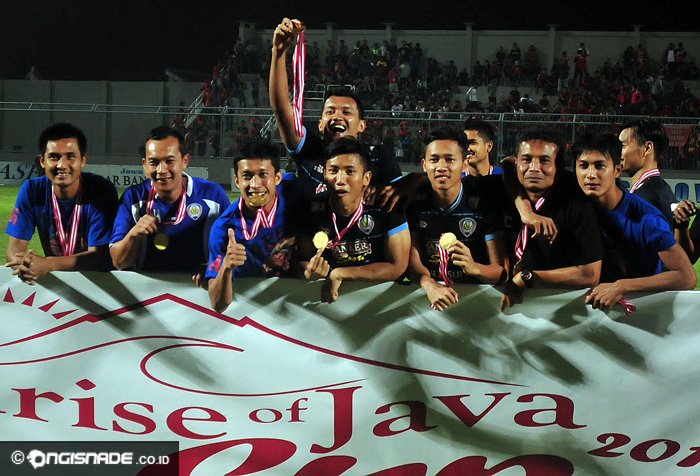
pixel 375 383
pixel 123 176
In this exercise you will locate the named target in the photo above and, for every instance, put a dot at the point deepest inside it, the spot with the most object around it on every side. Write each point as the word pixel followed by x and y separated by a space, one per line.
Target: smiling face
pixel 347 179
pixel 479 149
pixel 164 165
pixel 597 174
pixel 340 117
pixel 257 181
pixel 62 163
pixel 444 164
pixel 536 166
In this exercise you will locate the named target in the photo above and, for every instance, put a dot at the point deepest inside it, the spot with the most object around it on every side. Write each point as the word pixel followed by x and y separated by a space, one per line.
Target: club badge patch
pixel 194 210
pixel 467 226
pixel 366 224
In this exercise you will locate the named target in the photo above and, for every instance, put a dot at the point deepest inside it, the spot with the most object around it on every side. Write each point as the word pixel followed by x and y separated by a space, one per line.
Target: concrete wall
pixel 114 133
pixel 467 46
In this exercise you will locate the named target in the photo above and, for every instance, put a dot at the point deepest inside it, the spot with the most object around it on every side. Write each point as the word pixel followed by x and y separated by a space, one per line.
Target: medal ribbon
pixel 266 220
pixel 645 176
pixel 68 242
pixel 444 263
pixel 299 67
pixel 354 219
pixel 521 244
pixel 150 204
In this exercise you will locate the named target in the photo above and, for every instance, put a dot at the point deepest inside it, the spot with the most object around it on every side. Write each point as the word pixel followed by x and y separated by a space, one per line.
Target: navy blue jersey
pixel 364 243
pixel 271 251
pixel 473 220
pixel 34 209
pixel 308 159
pixel 187 241
pixel 635 232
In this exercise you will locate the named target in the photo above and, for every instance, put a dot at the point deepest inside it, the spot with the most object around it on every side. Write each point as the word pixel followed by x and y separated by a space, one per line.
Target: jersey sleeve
pixel 396 222
pixel 124 221
pixel 21 223
pixel 658 235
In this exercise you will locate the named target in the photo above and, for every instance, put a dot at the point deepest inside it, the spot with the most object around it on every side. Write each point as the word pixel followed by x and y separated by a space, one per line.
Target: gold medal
pixel 257 200
pixel 161 241
pixel 447 240
pixel 320 240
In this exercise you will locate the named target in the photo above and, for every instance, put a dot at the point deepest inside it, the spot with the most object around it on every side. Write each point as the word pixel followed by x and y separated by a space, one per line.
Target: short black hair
pixel 483 128
pixel 347 145
pixel 62 130
pixel 346 92
pixel 258 149
pixel 545 135
pixel 649 130
pixel 161 133
pixel 607 144
pixel 448 133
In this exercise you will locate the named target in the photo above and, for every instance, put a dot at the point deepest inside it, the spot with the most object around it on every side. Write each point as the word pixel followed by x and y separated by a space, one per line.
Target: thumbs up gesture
pixel 235 252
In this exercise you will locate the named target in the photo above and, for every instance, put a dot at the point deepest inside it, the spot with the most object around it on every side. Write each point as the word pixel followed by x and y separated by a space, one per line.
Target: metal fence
pixel 217 131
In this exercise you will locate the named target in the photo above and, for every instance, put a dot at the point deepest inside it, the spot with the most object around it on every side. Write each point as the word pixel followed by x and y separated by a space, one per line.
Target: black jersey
pixel 579 240
pixel 308 159
pixel 656 191
pixel 364 242
pixel 472 218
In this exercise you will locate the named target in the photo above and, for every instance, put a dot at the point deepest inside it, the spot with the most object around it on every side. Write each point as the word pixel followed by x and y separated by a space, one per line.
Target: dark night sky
pixel 135 39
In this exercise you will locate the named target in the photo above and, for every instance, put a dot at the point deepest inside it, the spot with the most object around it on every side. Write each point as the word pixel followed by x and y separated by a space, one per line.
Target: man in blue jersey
pixel 360 241
pixel 163 223
pixel 456 232
pixel 255 236
pixel 641 254
pixel 72 211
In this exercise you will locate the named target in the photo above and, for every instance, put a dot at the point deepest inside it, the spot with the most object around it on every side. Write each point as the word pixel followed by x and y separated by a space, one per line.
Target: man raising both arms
pixel 72 211
pixel 342 115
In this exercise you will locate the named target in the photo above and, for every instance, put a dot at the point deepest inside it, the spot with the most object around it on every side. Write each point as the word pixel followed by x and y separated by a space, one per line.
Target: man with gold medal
pixel 255 236
pixel 163 223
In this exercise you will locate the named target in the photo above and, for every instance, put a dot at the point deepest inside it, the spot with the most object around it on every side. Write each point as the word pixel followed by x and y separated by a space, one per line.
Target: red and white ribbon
pixel 521 244
pixel 628 306
pixel 299 68
pixel 70 240
pixel 262 219
pixel 353 219
pixel 444 263
pixel 645 176
pixel 150 203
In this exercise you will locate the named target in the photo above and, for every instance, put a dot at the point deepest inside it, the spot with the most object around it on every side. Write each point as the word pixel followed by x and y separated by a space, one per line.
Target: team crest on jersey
pixel 194 210
pixel 366 224
pixel 467 226
pixel 422 224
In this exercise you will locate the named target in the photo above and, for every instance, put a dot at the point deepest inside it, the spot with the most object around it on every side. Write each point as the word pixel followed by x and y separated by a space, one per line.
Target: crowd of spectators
pixel 400 77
